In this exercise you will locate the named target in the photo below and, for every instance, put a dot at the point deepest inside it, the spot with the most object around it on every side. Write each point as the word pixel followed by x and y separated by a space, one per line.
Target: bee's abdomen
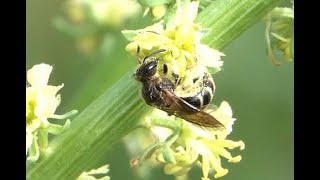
pixel 204 97
pixel 194 100
pixel 200 100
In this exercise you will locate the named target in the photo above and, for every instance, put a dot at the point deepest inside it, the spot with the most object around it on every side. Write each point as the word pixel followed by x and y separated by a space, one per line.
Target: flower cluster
pixel 180 144
pixel 41 103
pixel 180 37
pixel 92 22
pixel 280 25
pixel 100 11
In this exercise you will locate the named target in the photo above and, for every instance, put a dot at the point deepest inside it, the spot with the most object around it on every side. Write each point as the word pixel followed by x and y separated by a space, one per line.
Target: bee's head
pixel 146 70
pixel 148 66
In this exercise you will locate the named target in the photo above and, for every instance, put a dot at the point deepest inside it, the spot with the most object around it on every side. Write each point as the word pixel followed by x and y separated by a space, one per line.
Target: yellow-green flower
pixel 90 175
pixel 112 13
pixel 41 103
pixel 159 11
pixel 180 37
pixel 93 22
pixel 279 33
pixel 181 144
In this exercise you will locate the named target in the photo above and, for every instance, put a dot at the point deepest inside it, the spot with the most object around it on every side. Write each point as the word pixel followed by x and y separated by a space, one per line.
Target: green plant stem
pixel 117 111
pixel 227 19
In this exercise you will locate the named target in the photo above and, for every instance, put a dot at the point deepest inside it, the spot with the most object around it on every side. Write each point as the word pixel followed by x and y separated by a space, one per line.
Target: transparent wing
pixel 186 111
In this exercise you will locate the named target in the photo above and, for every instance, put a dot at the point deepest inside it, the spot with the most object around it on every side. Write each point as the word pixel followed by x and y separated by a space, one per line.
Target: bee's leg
pixel 169 114
pixel 154 93
pixel 138 54
pixel 176 78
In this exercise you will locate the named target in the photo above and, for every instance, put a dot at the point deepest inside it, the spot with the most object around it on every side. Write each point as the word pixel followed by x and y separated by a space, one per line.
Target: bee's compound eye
pixel 148 69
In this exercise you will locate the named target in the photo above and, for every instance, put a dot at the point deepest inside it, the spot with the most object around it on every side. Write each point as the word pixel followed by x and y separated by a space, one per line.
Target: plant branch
pixel 227 19
pixel 92 133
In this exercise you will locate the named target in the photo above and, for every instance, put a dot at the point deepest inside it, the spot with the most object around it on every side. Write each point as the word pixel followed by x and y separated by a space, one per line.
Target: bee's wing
pixel 186 111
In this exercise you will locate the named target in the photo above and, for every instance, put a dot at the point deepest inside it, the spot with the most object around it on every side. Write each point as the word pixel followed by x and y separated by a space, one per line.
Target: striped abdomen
pixel 204 97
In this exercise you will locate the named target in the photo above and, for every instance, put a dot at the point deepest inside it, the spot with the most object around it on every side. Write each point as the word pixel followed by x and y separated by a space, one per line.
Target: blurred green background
pixel 260 94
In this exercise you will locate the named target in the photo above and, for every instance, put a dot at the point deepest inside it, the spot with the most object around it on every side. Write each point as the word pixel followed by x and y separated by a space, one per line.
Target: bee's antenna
pixel 153 53
pixel 153 32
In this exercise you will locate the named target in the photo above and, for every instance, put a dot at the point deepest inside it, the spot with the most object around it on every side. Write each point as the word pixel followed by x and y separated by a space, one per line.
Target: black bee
pixel 159 93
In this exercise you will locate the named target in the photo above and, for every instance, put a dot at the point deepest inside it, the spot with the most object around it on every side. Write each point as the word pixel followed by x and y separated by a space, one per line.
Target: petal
pixel 91 174
pixel 33 125
pixel 102 170
pixel 34 152
pixel 224 115
pixel 39 74
pixel 208 56
pixel 29 138
pixel 175 169
pixel 47 101
pixel 30 103
pixel 235 159
pixel 205 167
pixel 191 11
pixel 221 173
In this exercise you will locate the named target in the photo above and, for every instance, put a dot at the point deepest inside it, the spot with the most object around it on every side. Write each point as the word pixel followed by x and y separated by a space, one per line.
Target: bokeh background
pixel 260 94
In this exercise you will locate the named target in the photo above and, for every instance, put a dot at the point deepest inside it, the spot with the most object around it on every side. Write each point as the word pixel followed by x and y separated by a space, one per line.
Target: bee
pixel 158 92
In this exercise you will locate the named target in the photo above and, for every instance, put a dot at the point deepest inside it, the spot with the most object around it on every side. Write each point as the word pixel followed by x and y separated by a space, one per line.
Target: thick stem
pixel 92 133
pixel 227 19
